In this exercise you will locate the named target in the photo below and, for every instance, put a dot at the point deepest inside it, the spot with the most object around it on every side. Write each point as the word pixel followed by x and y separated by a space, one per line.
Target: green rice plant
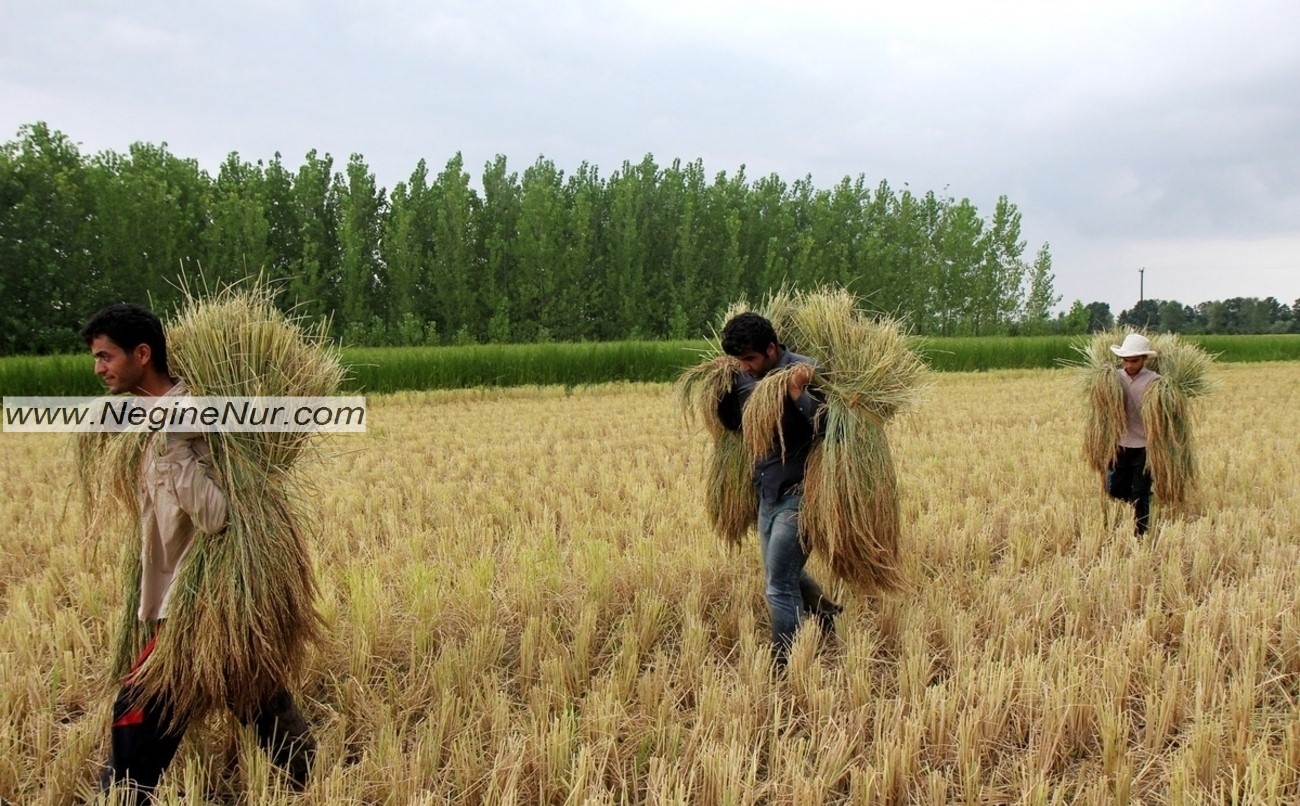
pixel 1249 349
pixel 392 369
pixel 48 375
pixel 242 607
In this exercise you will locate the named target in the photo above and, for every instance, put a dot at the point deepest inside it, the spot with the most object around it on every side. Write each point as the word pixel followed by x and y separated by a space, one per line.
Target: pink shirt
pixel 1135 388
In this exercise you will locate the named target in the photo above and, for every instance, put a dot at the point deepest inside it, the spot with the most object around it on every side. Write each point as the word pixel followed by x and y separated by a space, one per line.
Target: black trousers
pixel 145 739
pixel 1129 480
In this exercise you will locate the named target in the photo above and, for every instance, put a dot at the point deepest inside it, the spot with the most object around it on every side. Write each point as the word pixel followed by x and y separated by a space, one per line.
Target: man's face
pixel 122 371
pixel 758 364
pixel 1134 364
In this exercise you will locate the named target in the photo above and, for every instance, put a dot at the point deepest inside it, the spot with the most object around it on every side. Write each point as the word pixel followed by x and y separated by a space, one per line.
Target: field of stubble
pixel 525 605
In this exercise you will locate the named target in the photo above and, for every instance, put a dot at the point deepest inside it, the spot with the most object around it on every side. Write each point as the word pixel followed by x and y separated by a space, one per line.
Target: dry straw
pixel 730 503
pixel 1104 400
pixel 1184 370
pixel 1167 416
pixel 242 608
pixel 867 373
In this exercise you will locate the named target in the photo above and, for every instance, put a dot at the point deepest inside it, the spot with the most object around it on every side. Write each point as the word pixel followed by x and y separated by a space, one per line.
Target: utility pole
pixel 1141 282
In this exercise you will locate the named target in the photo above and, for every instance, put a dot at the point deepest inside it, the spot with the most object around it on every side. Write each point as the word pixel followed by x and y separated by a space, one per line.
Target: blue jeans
pixel 791 592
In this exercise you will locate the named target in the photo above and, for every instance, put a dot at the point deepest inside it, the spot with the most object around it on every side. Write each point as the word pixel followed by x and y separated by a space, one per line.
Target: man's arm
pixel 197 491
pixel 808 400
pixel 730 408
pixel 732 404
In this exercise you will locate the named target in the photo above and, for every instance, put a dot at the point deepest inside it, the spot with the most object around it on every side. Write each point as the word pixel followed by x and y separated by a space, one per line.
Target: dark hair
pixel 747 333
pixel 128 326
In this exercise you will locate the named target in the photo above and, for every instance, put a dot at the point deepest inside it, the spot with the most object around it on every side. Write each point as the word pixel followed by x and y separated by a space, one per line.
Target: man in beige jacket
pixel 1129 479
pixel 179 497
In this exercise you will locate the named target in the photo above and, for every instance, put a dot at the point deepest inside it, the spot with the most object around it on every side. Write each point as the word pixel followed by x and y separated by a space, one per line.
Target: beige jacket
pixel 179 497
pixel 1135 389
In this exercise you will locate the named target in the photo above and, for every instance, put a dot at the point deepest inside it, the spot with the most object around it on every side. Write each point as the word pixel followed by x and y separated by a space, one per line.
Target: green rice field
pixel 392 369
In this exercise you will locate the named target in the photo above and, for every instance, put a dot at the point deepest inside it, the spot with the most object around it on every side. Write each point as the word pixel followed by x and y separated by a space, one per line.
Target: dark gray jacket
pixel 777 473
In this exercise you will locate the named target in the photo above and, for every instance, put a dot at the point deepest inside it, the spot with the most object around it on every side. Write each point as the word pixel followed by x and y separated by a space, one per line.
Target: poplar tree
pixel 1041 296
pixel 363 280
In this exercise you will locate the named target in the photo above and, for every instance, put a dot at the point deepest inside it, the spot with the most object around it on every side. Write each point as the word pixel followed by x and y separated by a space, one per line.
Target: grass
pixel 525 604
pixel 393 369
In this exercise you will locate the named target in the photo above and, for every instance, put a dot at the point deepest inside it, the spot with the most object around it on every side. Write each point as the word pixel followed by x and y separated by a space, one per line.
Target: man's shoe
pixel 825 615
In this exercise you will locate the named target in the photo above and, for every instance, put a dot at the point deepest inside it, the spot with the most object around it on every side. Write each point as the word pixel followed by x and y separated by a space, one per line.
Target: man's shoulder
pixel 179 389
pixel 791 357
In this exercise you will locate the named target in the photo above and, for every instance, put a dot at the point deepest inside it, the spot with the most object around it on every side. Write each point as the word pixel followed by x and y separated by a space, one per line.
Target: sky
pixel 1154 146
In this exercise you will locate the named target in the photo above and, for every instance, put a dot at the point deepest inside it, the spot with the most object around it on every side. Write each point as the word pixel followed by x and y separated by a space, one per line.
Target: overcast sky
pixel 1133 134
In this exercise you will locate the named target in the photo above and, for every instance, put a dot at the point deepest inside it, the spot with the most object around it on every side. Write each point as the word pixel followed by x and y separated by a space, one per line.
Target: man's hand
pixel 800 376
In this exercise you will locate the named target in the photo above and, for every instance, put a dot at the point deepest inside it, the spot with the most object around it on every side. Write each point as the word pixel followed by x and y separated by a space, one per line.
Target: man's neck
pixel 155 384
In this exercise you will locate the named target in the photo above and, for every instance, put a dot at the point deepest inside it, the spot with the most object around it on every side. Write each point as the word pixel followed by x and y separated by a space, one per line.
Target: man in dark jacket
pixel 792 594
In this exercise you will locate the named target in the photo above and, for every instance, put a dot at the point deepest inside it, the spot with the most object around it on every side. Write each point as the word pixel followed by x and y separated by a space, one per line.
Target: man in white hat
pixel 1129 479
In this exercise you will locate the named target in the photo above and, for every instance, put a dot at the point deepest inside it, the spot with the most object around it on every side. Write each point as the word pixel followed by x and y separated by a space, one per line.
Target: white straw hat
pixel 1134 344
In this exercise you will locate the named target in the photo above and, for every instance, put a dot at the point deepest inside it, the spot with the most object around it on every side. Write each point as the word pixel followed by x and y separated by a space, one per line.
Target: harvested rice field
pixel 525 605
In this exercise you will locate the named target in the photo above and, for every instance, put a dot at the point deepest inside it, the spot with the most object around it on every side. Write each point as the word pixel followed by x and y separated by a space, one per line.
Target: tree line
pixel 649 251
pixel 1235 316
pixel 1238 315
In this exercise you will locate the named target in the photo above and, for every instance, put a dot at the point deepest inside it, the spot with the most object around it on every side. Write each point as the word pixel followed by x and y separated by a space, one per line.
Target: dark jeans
pixel 1129 480
pixel 144 740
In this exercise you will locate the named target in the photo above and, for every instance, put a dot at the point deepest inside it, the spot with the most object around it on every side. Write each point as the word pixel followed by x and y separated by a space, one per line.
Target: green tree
pixel 236 242
pixel 361 212
pixel 1099 317
pixel 771 235
pixel 491 277
pixel 997 285
pixel 1173 317
pixel 148 221
pixel 543 289
pixel 960 254
pixel 49 275
pixel 628 240
pixel 1142 316
pixel 719 248
pixel 583 255
pixel 284 227
pixel 1076 321
pixel 315 273
pixel 1041 296
pixel 407 248
pixel 900 255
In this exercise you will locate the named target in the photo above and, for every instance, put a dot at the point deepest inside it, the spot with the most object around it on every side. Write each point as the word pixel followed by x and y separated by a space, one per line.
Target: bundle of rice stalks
pixel 730 503
pixel 1103 395
pixel 242 607
pixel 1184 370
pixel 867 373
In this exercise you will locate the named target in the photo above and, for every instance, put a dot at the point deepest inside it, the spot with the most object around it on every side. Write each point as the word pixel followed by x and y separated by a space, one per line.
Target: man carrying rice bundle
pixel 1128 478
pixel 800 449
pixel 1139 427
pixel 792 593
pixel 179 500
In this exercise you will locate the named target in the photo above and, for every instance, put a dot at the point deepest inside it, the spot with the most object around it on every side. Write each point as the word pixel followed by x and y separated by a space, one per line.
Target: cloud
pixel 1120 129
